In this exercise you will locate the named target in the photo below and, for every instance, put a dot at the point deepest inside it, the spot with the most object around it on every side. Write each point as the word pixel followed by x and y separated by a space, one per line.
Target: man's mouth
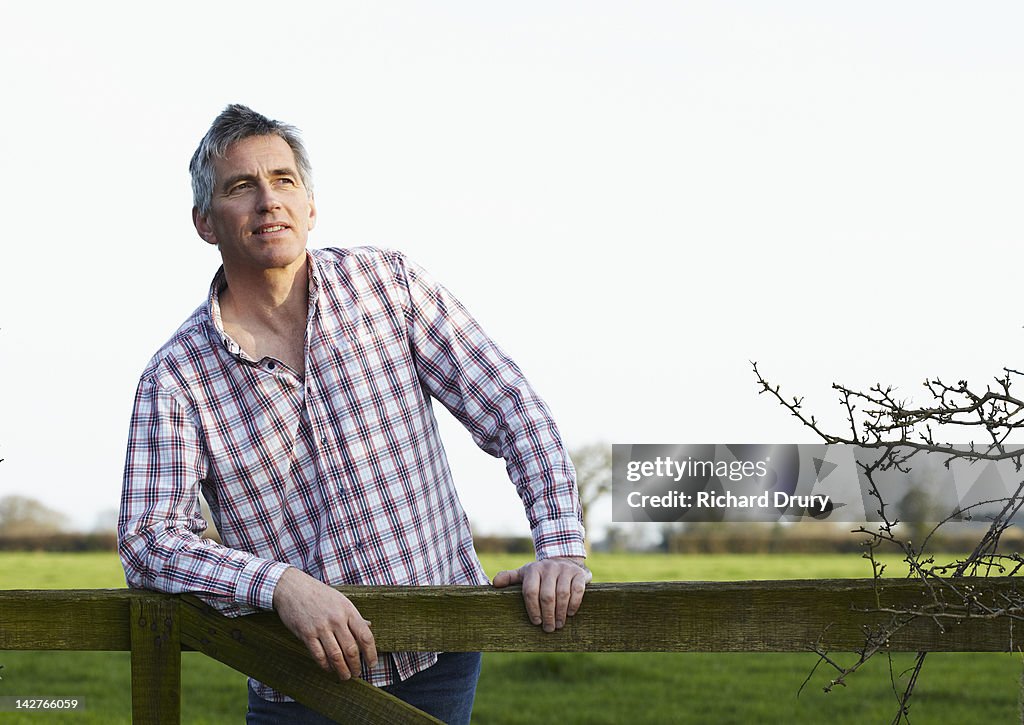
pixel 271 228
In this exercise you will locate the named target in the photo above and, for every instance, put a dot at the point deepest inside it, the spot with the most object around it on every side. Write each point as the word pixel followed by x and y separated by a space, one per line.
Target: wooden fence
pixel 763 616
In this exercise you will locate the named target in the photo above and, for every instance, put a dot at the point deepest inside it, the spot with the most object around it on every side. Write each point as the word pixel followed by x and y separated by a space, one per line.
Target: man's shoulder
pixel 347 259
pixel 365 272
pixel 182 351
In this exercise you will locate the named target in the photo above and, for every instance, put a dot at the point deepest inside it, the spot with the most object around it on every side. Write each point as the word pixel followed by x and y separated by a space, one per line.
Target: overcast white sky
pixel 635 199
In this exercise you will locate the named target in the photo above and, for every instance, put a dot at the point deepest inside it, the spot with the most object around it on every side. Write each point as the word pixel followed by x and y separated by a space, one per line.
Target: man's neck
pixel 274 300
pixel 265 313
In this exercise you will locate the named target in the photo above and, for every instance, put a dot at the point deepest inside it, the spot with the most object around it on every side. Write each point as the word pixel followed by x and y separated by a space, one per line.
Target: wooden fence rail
pixel 762 616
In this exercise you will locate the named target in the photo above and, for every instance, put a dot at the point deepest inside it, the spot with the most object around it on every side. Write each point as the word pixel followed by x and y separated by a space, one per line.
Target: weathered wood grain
pixel 63 619
pixel 760 616
pixel 156 661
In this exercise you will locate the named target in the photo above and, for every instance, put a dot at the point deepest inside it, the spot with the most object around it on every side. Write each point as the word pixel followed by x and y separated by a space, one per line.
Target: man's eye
pixel 242 186
pixel 284 180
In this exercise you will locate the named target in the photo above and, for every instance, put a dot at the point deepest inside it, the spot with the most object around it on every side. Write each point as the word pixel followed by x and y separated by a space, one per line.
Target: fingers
pixel 507 578
pixel 345 660
pixel 330 626
pixel 552 591
pixel 548 595
pixel 344 648
pixel 531 592
pixel 318 653
pixel 333 655
pixel 366 642
pixel 577 588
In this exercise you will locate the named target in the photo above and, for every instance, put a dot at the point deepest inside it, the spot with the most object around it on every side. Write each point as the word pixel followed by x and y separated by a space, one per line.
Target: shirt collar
pixel 215 325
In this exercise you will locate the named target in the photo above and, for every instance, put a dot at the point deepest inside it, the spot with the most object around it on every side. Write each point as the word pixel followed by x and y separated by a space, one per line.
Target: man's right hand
pixel 326 622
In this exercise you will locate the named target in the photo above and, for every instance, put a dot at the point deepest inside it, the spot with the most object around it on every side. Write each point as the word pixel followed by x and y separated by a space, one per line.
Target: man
pixel 298 399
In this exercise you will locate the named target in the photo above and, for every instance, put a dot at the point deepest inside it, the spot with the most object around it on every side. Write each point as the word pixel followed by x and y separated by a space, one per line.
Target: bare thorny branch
pixel 879 419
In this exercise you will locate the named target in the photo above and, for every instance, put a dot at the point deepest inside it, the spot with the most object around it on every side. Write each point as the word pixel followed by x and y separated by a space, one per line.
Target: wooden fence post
pixel 156 660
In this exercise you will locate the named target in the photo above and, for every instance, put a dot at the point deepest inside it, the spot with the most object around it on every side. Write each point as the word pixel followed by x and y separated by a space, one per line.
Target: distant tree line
pixel 29 525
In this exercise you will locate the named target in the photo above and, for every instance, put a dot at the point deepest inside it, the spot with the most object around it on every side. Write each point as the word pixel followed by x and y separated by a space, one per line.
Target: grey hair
pixel 235 123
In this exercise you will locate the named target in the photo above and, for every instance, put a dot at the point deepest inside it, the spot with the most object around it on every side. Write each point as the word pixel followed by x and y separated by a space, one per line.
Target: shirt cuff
pixel 256 583
pixel 559 537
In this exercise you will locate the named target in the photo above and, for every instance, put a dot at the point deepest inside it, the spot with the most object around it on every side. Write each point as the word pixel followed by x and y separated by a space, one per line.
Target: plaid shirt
pixel 341 474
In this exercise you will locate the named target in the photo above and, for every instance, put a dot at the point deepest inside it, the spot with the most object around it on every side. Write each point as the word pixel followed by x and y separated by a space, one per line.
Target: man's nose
pixel 268 198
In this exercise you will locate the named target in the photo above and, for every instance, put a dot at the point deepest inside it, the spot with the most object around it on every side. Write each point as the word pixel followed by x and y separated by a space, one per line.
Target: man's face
pixel 260 214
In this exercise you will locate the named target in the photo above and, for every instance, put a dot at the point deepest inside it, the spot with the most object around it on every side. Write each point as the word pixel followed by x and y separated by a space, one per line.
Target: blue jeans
pixel 445 691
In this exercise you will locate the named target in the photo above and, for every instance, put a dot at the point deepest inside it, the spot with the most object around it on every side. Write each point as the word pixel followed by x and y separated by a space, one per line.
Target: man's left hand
pixel 552 588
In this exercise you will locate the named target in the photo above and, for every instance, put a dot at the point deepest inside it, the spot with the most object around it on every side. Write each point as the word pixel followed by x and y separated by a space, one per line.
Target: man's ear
pixel 312 212
pixel 203 226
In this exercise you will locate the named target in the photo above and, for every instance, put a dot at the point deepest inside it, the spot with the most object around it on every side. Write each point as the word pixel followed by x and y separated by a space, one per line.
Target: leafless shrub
pixel 902 433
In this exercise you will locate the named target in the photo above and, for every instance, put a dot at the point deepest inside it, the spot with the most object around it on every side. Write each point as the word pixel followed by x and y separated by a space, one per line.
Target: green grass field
pixel 557 688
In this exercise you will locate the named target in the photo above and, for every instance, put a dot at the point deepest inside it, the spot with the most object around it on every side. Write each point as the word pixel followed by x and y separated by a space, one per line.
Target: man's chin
pixel 271 257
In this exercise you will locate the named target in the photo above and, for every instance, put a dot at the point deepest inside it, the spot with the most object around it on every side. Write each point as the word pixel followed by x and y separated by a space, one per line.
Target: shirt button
pixel 270 365
pixel 323 440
